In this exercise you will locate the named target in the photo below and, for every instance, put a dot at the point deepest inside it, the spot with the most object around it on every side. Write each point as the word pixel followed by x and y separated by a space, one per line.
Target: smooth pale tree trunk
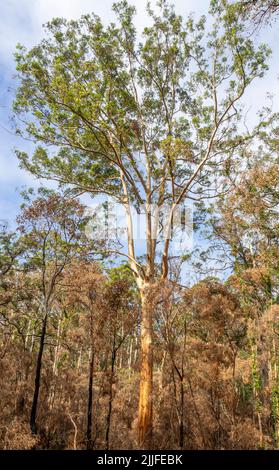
pixel 135 358
pixel 52 393
pixel 161 372
pixel 33 414
pixel 144 283
pixel 32 340
pixel 146 375
pixel 130 356
pixel 75 432
pixel 27 335
pixel 79 359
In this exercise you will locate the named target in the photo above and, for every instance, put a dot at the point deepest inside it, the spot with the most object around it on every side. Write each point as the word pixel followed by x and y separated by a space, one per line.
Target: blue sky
pixel 21 22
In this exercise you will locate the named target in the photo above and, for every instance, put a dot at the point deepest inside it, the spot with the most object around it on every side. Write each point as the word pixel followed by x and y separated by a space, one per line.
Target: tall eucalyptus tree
pixel 149 121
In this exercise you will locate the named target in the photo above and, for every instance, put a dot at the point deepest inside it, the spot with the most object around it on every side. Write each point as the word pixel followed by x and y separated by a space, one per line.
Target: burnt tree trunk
pixel 33 414
pixel 181 418
pixel 113 359
pixel 89 439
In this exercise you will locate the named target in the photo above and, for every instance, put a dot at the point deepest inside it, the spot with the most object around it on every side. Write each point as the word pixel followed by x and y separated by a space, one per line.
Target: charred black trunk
pixel 113 359
pixel 33 414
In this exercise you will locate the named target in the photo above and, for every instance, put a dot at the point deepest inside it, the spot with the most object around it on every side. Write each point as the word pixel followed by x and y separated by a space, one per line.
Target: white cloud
pixel 23 22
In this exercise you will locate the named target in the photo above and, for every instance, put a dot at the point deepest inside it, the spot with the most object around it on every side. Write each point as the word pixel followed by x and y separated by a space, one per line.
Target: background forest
pixel 104 346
